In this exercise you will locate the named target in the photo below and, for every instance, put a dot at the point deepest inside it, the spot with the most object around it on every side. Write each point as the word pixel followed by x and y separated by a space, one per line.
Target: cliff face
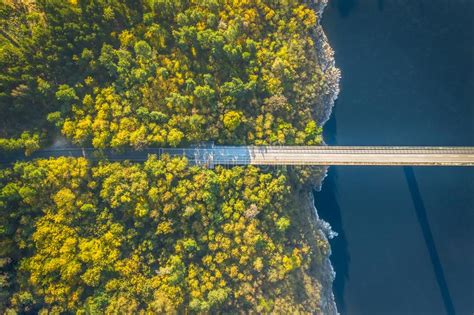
pixel 319 231
pixel 332 74
pixel 322 111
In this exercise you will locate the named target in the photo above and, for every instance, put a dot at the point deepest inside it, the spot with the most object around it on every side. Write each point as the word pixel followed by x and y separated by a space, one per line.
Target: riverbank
pixel 322 111
pixel 332 74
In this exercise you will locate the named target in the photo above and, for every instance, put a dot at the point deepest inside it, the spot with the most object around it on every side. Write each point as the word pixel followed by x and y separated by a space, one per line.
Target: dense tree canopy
pixel 147 73
pixel 162 236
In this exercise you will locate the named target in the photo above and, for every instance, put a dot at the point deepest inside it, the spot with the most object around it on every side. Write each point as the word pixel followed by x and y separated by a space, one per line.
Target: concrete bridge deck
pixel 279 155
pixel 340 155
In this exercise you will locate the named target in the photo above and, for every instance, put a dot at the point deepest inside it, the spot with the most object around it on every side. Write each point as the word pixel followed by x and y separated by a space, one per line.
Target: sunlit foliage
pixel 160 73
pixel 161 236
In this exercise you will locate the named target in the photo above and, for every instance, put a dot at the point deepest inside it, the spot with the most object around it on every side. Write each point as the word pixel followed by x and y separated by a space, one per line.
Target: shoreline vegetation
pixel 163 236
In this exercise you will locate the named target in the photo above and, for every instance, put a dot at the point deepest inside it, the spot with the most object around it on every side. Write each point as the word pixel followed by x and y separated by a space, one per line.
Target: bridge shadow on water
pixel 329 210
pixel 429 240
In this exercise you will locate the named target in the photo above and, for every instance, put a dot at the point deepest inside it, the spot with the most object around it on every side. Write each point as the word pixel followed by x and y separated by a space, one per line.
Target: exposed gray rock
pixel 322 112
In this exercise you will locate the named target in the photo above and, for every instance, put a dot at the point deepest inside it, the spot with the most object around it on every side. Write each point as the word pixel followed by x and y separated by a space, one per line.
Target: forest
pixel 157 237
pixel 120 73
pixel 162 236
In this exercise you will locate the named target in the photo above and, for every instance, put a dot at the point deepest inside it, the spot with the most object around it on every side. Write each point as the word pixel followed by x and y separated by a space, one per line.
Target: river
pixel 406 241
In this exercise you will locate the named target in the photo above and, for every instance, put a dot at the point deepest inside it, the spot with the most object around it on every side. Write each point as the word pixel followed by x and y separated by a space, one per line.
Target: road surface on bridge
pixel 278 155
pixel 334 155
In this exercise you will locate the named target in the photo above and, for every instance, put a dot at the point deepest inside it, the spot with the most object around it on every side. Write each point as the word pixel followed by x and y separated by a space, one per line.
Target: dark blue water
pixel 406 235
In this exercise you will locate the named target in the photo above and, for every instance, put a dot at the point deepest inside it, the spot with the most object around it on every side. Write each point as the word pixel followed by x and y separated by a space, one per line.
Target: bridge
pixel 211 155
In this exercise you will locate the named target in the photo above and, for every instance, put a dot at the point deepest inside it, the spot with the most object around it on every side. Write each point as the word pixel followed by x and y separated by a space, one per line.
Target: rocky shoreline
pixel 322 112
pixel 331 73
